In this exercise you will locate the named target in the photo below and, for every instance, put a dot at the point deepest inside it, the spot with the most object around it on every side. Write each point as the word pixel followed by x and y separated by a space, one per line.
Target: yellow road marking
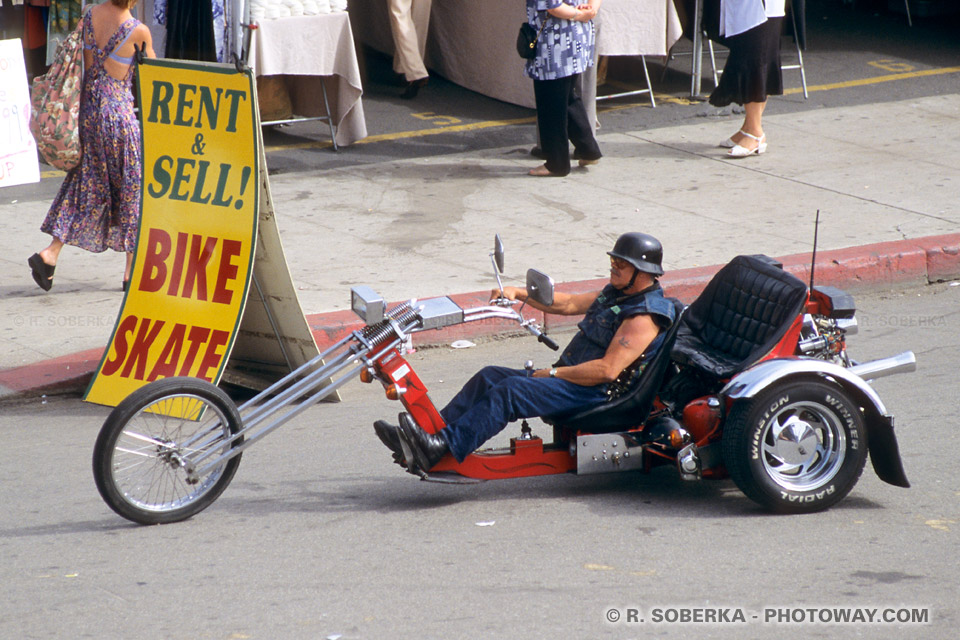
pixel 891 65
pixel 477 126
pixel 623 87
pixel 400 135
pixel 875 80
pixel 661 98
pixel 437 119
pixel 940 525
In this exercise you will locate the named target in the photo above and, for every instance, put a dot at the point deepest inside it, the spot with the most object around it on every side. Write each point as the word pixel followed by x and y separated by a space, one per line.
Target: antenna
pixel 813 257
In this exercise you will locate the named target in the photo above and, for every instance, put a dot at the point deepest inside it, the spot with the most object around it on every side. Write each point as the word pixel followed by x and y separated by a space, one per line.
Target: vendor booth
pixel 301 51
pixel 473 43
pixel 307 66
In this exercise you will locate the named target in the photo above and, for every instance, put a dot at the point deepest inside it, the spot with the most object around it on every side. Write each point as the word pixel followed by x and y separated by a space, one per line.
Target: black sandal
pixel 42 272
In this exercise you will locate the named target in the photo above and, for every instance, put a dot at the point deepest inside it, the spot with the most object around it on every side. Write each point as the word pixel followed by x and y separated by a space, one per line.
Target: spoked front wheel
pixel 138 459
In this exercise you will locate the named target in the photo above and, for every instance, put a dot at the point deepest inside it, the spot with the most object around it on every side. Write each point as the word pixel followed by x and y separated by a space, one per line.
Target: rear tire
pixel 796 448
pixel 137 459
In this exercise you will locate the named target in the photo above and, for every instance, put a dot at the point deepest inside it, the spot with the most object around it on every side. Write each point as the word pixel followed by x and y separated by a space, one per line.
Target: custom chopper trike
pixel 753 382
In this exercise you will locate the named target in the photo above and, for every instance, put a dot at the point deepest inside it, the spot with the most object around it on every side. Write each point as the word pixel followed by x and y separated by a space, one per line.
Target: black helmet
pixel 641 250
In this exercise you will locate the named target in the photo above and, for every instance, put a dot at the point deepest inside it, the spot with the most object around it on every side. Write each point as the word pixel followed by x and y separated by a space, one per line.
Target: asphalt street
pixel 321 536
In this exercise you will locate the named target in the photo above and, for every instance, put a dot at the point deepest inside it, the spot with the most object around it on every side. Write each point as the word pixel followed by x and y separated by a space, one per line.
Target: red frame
pixel 531 457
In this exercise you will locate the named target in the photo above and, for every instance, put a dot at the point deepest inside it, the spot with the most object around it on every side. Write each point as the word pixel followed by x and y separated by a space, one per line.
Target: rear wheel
pixel 139 454
pixel 796 448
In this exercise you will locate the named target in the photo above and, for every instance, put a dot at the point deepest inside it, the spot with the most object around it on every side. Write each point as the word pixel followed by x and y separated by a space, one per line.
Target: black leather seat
pixel 741 315
pixel 632 408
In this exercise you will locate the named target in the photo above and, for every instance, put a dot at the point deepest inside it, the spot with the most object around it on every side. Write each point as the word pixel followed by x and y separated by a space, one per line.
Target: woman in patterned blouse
pixel 564 51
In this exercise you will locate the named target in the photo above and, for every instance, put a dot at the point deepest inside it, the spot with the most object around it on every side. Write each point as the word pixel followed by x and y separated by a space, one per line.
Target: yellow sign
pixel 198 228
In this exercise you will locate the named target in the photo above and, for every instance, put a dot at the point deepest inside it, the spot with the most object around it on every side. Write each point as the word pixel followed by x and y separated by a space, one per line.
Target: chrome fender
pixel 749 383
pixel 882 441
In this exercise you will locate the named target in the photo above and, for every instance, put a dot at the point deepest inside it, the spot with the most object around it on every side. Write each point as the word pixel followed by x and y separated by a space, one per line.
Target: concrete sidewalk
pixel 881 175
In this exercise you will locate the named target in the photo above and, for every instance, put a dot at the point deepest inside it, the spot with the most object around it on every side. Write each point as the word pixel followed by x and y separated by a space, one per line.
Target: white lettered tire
pixel 796 448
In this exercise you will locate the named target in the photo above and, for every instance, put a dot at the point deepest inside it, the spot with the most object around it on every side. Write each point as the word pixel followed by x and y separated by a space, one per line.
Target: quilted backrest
pixel 741 314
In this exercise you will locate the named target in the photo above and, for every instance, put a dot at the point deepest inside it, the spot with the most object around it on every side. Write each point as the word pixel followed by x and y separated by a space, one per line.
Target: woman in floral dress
pixel 98 206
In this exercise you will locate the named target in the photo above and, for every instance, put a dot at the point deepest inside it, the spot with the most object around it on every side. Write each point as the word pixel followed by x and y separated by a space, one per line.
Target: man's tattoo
pixel 623 342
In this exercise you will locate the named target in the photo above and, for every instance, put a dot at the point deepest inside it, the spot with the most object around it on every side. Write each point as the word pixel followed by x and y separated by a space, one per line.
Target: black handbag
pixel 527 40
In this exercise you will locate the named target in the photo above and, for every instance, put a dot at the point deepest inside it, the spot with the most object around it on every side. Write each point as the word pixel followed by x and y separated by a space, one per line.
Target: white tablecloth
pixel 473 42
pixel 638 27
pixel 310 46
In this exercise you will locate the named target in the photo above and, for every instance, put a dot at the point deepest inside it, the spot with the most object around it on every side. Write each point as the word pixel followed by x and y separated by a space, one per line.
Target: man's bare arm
pixel 564 304
pixel 631 340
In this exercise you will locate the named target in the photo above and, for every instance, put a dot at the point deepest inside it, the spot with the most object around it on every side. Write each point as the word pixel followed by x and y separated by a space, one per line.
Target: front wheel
pixel 139 454
pixel 796 448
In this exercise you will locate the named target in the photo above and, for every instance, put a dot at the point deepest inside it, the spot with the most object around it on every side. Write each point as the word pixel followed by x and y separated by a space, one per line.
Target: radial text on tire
pixel 797 447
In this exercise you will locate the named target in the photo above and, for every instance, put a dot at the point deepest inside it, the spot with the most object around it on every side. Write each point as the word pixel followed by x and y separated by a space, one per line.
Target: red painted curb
pixel 66 374
pixel 329 328
pixel 918 260
pixel 943 257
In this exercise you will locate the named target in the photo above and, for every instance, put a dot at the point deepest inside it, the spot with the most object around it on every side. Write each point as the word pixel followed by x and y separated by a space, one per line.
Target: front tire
pixel 137 459
pixel 796 448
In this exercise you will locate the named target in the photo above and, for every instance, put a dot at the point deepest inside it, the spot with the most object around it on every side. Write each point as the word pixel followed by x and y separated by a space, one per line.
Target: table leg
pixel 326 107
pixel 696 69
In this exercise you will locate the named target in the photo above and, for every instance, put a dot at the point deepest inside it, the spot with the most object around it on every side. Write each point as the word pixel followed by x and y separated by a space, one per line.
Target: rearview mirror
pixel 498 252
pixel 540 287
pixel 367 304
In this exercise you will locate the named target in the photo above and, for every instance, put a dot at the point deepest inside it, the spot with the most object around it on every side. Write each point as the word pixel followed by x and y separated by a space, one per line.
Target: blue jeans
pixel 495 396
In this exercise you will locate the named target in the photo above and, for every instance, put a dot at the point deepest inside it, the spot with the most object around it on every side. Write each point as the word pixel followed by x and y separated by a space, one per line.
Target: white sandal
pixel 729 143
pixel 742 152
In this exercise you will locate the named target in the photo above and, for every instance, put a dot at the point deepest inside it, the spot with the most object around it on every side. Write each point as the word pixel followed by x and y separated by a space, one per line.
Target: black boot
pixel 427 448
pixel 413 88
pixel 389 435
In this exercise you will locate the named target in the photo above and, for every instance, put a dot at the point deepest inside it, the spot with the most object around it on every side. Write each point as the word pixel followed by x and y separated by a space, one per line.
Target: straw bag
pixel 55 105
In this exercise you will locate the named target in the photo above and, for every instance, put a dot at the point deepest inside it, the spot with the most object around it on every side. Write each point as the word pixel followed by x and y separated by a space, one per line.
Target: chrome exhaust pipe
pixel 901 363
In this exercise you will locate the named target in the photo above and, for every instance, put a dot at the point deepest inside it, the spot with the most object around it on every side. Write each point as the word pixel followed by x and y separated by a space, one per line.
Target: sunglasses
pixel 618 263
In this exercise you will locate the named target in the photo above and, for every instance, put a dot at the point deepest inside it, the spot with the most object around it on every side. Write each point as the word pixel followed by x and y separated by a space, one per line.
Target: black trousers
pixel 190 30
pixel 561 117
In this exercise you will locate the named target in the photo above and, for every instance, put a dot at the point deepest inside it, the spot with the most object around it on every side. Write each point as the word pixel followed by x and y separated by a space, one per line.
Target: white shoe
pixel 742 152
pixel 729 143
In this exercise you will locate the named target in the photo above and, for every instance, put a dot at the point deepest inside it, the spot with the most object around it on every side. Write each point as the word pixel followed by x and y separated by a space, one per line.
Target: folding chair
pixel 648 90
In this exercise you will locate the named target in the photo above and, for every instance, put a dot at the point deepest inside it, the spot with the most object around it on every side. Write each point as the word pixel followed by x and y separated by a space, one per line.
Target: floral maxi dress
pixel 98 206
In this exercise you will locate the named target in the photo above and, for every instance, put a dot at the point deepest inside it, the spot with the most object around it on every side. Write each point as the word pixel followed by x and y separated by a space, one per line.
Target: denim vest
pixel 605 316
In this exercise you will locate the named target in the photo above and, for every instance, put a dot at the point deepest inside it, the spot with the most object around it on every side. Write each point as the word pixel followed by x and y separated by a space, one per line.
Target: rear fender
pixel 882 441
